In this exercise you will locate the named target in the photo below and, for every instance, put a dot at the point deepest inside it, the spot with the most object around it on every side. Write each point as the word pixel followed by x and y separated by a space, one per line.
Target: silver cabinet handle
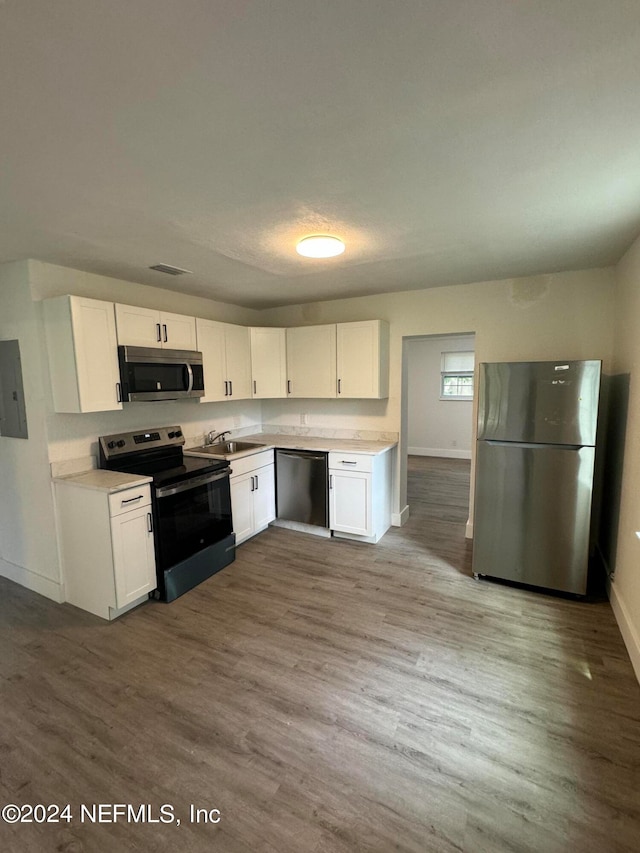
pixel 347 462
pixel 158 334
pixel 339 384
pixel 132 500
pixel 257 483
pixel 255 387
pixel 149 523
pixel 118 392
pixel 330 481
pixel 226 388
pixel 230 388
pixel 166 337
pixel 288 386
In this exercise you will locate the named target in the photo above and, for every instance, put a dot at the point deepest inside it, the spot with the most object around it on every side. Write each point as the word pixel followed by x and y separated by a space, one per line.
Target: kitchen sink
pixel 227 448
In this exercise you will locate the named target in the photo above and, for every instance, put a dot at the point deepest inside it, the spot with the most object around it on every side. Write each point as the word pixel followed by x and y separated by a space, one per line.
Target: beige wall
pixel 28 550
pixel 556 316
pixel 47 280
pixel 625 589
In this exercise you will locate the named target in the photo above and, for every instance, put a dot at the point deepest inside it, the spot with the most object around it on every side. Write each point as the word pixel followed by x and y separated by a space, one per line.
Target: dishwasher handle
pixel 304 454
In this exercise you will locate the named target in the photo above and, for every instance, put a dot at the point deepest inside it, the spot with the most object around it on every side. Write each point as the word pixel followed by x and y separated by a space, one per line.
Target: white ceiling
pixel 446 141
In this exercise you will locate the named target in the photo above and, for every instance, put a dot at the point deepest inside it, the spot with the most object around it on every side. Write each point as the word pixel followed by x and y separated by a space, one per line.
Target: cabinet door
pixel 210 342
pixel 362 364
pixel 350 508
pixel 138 327
pixel 269 362
pixel 242 506
pixel 264 496
pixel 134 562
pixel 238 361
pixel 96 355
pixel 178 331
pixel 311 361
pixel 82 354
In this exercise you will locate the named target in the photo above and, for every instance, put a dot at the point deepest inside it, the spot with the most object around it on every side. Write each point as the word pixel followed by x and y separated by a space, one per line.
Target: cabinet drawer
pixel 249 463
pixel 129 499
pixel 350 461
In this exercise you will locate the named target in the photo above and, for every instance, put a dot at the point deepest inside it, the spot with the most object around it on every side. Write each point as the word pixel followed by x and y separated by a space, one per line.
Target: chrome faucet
pixel 214 436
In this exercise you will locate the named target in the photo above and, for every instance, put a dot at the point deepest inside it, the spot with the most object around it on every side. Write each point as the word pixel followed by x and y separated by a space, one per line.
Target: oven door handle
pixel 194 483
pixel 190 375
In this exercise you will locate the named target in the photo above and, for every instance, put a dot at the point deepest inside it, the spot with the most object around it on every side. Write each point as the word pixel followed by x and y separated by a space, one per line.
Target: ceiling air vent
pixel 170 270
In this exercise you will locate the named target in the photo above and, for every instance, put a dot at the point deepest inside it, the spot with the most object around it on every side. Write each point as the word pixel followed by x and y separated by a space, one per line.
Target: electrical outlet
pixel 304 419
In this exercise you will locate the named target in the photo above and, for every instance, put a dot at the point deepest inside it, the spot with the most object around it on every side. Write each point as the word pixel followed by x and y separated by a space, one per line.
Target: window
pixel 456 376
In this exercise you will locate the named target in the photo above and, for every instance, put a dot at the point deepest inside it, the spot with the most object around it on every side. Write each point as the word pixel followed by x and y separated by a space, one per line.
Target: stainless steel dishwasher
pixel 301 486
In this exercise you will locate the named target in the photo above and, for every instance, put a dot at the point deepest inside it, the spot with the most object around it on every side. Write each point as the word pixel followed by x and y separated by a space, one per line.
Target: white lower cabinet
pixel 107 547
pixel 350 502
pixel 253 494
pixel 360 495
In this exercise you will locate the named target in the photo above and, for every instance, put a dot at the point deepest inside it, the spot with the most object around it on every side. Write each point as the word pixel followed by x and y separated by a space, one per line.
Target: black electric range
pixel 191 503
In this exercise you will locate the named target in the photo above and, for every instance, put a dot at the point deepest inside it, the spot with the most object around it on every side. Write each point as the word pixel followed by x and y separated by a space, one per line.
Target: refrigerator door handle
pixel 492 442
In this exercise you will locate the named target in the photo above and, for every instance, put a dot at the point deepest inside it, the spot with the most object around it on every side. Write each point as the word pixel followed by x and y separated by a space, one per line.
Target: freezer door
pixel 532 514
pixel 546 402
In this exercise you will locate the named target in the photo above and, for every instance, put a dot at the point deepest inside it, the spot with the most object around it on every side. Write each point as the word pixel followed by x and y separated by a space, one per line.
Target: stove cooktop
pixel 155 453
pixel 167 471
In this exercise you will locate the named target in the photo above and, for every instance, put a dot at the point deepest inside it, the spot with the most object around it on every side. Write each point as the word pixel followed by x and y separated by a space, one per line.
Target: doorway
pixel 437 427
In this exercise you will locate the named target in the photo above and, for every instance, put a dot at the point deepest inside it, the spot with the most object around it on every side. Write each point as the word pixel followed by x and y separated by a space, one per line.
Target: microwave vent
pixel 170 270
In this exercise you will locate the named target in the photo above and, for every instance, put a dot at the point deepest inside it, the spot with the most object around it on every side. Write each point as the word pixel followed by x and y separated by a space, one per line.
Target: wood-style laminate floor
pixel 329 697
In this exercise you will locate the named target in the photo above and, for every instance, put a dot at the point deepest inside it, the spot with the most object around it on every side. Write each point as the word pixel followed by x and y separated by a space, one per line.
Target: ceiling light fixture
pixel 320 246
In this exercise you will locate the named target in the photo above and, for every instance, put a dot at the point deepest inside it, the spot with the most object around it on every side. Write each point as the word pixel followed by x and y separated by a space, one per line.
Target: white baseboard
pixel 629 633
pixel 437 451
pixel 399 519
pixel 468 531
pixel 31 580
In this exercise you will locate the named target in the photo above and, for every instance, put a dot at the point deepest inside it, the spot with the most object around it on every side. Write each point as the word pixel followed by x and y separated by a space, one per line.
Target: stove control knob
pixel 178 433
pixel 111 445
pixel 172 435
pixel 121 443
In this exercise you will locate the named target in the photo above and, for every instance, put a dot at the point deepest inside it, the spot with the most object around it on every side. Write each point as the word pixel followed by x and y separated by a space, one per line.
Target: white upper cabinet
pixel 226 358
pixel 363 359
pixel 178 331
pixel 268 362
pixel 311 361
pixel 145 327
pixel 83 354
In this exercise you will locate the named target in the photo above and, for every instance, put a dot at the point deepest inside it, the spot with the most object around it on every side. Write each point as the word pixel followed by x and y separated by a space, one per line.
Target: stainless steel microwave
pixel 147 373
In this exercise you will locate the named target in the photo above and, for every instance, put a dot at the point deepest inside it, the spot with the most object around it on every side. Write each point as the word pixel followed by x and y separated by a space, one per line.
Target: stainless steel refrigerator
pixel 535 463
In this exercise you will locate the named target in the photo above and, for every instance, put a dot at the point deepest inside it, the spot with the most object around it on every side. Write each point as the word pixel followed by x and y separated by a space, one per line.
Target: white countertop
pixel 314 442
pixel 104 481
pixel 304 442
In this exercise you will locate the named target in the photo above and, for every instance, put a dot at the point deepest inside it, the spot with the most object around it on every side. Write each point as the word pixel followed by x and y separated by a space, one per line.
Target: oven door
pixel 191 515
